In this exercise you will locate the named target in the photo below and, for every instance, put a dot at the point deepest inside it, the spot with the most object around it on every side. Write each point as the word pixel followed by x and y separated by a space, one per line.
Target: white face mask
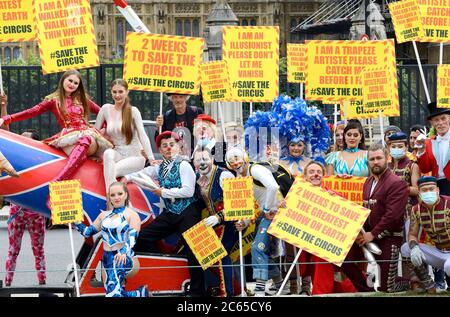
pixel 429 198
pixel 397 153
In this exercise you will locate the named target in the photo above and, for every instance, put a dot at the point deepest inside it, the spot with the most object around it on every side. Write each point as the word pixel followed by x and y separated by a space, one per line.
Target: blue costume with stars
pixel 115 230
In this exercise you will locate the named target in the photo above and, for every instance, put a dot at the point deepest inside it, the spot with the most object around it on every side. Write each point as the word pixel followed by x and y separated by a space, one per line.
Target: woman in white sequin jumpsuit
pixel 125 129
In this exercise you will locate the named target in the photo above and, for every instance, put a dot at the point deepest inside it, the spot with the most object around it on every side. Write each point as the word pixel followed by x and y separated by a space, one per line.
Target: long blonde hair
pixel 127 117
pixel 78 96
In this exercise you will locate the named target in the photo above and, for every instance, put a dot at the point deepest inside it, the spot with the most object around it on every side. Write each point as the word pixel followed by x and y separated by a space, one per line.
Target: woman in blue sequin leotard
pixel 352 161
pixel 119 228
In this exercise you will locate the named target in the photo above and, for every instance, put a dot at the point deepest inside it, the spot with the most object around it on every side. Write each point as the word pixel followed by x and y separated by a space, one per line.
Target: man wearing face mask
pixel 431 214
pixel 205 138
pixel 403 167
pixel 408 171
pixel 210 181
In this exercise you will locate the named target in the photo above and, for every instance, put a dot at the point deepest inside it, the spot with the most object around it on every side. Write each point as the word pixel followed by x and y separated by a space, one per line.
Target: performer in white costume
pixel 125 128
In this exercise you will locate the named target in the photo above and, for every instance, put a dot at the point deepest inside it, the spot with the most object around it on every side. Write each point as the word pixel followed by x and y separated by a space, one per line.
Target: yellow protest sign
pixel 65 34
pixel 238 198
pixel 378 92
pixel 320 223
pixel 16 21
pixel 205 244
pixel 65 201
pixel 407 20
pixel 435 20
pixel 248 235
pixel 443 86
pixel 296 63
pixel 165 63
pixel 334 67
pixel 215 81
pixel 252 55
pixel 355 110
pixel 349 188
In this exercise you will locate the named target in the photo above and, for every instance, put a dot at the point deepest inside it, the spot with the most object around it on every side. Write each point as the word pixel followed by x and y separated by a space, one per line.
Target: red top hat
pixel 205 117
pixel 166 134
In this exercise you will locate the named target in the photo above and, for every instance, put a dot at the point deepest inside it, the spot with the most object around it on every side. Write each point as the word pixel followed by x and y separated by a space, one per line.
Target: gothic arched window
pixel 7 52
pixel 16 53
pixel 120 31
pixel 178 27
pixel 195 28
pixel 253 22
pixel 187 27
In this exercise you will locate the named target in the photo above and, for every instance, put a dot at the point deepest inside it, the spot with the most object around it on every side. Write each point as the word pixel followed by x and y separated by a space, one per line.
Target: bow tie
pixel 165 164
pixel 441 138
pixel 297 160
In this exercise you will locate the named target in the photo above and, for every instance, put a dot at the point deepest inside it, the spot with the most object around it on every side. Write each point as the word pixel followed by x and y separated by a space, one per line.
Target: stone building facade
pixel 178 18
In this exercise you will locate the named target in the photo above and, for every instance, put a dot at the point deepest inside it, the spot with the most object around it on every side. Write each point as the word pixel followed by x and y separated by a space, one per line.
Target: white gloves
pixel 369 256
pixel 417 256
pixel 211 221
pixel 373 248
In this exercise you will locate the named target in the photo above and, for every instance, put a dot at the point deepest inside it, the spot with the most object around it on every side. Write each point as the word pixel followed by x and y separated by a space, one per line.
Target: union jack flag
pixel 37 164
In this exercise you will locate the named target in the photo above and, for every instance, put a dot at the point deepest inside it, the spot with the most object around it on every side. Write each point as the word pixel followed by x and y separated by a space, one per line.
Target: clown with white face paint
pixel 267 197
pixel 205 138
pixel 210 180
pixel 234 134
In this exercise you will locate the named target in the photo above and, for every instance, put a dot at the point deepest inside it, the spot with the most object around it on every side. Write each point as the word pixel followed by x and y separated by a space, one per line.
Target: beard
pixel 378 170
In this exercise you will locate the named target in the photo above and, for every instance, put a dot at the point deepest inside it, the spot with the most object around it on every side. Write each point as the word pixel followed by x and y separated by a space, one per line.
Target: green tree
pixel 31 60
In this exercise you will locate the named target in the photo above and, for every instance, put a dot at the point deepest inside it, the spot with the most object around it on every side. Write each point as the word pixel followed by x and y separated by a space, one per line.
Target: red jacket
pixel 427 161
pixel 387 204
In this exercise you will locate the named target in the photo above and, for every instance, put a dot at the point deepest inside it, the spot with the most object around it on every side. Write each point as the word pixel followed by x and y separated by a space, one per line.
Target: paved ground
pixel 58 258
pixel 57 252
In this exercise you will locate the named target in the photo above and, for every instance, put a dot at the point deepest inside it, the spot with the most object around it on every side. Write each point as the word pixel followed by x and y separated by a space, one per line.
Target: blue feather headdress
pixel 289 120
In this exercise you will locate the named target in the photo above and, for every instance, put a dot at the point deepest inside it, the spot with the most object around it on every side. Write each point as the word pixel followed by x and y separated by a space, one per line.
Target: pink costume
pixel 35 223
pixel 75 131
pixel 124 158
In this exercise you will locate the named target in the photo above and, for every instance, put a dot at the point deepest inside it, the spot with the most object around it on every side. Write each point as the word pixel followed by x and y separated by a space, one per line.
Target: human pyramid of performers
pixel 405 183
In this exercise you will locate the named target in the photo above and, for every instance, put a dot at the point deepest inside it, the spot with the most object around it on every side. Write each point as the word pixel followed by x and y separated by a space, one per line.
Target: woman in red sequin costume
pixel 71 106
